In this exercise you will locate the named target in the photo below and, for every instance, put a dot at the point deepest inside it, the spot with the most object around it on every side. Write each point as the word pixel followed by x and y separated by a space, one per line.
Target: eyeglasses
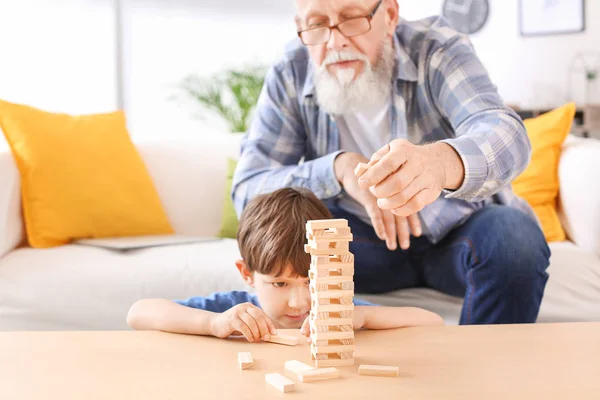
pixel 349 28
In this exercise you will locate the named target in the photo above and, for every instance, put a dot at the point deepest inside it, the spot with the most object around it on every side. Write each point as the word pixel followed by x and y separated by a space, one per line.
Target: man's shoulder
pixel 294 61
pixel 426 35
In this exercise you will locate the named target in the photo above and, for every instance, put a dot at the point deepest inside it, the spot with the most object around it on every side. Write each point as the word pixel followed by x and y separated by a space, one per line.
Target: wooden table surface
pixel 545 361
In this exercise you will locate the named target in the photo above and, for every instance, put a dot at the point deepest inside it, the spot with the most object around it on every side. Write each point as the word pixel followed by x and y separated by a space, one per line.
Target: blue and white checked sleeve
pixel 490 137
pixel 275 144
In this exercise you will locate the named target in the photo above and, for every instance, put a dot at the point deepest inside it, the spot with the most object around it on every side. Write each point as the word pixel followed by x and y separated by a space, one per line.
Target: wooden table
pixel 550 361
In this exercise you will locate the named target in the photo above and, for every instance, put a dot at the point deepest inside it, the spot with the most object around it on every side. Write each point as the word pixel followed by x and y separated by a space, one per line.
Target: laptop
pixel 142 242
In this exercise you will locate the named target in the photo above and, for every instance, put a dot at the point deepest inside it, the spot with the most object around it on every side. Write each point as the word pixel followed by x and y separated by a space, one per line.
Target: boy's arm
pixel 377 317
pixel 166 315
pixel 220 315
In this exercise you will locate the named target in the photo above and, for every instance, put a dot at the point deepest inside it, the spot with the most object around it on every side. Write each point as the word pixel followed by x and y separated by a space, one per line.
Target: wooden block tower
pixel 332 291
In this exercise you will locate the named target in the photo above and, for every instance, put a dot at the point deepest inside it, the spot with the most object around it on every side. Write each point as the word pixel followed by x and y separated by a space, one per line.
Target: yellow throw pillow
pixel 81 177
pixel 538 184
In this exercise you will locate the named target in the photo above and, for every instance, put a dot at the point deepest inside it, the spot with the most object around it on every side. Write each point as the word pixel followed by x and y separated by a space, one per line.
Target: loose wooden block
pixel 284 339
pixel 360 169
pixel 378 370
pixel 296 367
pixel 314 225
pixel 245 360
pixel 280 382
pixel 318 374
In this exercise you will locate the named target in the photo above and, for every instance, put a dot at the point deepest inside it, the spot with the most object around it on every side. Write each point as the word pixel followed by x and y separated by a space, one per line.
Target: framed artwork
pixel 551 17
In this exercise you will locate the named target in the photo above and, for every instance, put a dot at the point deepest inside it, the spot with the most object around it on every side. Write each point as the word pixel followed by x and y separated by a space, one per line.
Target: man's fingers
pixel 261 321
pixel 240 326
pixel 252 326
pixel 400 199
pixel 415 204
pixel 415 225
pixel 398 181
pixel 403 232
pixel 388 164
pixel 389 221
pixel 376 217
pixel 378 155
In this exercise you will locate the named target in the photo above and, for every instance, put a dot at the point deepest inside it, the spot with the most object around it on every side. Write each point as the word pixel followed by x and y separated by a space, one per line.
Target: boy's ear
pixel 246 274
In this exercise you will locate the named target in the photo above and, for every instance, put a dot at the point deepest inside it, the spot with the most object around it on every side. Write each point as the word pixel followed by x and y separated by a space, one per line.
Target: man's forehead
pixel 308 8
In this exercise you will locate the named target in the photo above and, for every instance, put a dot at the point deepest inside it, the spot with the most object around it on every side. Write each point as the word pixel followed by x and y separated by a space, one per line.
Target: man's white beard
pixel 341 92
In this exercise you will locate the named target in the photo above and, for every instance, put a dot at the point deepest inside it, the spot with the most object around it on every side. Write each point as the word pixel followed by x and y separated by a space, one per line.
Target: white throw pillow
pixel 11 222
pixel 579 174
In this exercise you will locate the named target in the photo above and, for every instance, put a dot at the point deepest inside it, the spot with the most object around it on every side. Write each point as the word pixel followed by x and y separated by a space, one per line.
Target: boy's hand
pixel 358 321
pixel 245 318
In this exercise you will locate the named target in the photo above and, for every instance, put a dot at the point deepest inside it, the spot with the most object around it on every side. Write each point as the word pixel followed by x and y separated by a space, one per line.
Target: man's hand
pixel 387 226
pixel 245 318
pixel 405 178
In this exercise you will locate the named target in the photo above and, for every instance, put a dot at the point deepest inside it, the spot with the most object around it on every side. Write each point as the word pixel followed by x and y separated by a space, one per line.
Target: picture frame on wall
pixel 551 17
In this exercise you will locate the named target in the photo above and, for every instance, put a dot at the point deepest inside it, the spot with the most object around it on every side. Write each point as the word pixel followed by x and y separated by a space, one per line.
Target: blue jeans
pixel 496 260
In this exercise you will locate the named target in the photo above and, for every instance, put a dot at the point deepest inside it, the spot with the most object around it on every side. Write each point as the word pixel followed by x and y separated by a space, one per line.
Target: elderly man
pixel 413 99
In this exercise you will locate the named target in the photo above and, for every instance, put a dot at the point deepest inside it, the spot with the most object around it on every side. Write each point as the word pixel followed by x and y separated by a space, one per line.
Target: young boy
pixel 271 239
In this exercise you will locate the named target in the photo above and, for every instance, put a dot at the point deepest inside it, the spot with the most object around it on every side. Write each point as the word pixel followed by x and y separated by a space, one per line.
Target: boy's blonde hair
pixel 272 231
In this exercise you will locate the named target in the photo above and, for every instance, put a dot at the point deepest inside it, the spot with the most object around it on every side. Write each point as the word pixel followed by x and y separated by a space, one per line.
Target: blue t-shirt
pixel 222 301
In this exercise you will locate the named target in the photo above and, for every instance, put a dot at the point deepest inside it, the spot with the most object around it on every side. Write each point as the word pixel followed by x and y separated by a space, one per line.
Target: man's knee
pixel 517 247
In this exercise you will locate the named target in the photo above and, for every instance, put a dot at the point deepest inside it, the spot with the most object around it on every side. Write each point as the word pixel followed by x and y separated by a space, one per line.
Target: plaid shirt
pixel 441 92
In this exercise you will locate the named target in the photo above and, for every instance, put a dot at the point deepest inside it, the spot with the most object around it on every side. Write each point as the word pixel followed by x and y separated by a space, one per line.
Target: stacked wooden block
pixel 332 291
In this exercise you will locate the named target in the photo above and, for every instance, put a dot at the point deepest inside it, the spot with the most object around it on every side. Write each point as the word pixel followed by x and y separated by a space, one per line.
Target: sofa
pixel 78 287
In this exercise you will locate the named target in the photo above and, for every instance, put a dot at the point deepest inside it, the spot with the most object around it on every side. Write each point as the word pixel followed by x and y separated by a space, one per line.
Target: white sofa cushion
pixel 77 287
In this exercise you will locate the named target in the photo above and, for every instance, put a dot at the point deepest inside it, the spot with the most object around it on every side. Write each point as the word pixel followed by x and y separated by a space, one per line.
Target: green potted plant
pixel 231 95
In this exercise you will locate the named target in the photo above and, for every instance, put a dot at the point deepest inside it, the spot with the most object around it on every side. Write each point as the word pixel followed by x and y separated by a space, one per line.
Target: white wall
pixel 532 71
pixel 58 55
pixel 167 41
